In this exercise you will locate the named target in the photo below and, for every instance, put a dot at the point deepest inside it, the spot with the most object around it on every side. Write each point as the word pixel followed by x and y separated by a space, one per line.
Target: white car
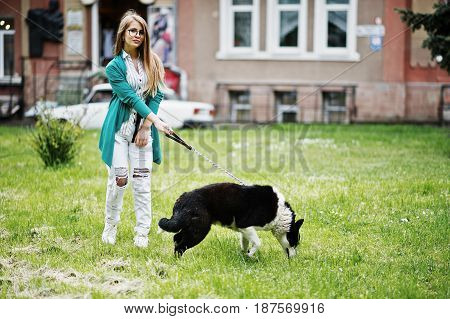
pixel 91 113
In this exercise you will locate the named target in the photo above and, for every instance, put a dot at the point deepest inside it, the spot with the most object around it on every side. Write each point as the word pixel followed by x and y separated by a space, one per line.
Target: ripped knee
pixel 121 182
pixel 121 176
pixel 141 173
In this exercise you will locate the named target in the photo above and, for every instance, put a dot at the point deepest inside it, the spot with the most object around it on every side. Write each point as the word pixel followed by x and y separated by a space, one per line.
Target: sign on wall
pixel 375 33
pixel 376 43
pixel 74 18
pixel 75 32
pixel 162 32
pixel 370 30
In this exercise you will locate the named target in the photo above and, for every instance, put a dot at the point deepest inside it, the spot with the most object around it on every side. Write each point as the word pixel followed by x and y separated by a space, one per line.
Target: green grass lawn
pixel 375 200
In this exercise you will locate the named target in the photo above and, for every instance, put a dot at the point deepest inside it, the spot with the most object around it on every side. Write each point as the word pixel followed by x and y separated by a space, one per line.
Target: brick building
pixel 256 60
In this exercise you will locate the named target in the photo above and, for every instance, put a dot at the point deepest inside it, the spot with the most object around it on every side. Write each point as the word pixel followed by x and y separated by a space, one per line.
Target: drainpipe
pixel 441 103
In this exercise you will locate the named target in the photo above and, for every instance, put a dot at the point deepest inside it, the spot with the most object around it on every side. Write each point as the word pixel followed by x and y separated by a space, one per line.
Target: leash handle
pixel 179 140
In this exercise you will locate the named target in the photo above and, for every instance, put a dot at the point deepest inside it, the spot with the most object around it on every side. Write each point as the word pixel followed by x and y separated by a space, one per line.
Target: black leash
pixel 174 136
pixel 136 126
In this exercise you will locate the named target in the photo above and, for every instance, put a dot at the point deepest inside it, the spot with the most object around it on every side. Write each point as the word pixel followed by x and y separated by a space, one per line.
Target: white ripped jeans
pixel 139 161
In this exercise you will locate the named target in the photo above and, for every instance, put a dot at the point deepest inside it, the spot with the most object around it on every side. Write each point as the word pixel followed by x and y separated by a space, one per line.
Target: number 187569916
pixel 296 307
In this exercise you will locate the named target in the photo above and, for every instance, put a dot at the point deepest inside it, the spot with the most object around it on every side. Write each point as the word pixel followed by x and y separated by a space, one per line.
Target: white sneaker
pixel 109 234
pixel 141 241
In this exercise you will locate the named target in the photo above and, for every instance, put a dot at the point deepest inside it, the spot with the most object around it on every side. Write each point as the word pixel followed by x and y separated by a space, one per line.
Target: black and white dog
pixel 241 208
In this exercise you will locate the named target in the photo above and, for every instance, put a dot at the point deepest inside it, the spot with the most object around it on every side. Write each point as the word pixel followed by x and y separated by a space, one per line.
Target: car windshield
pixel 101 96
pixel 171 97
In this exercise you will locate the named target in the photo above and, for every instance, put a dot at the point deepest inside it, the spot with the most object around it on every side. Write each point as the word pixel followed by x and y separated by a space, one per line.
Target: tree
pixel 437 26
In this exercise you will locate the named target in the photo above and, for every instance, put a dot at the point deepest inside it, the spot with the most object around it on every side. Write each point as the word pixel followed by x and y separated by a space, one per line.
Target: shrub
pixel 55 141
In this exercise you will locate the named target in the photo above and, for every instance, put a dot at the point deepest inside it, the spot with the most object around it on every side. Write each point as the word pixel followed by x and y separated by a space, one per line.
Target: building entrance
pixel 110 12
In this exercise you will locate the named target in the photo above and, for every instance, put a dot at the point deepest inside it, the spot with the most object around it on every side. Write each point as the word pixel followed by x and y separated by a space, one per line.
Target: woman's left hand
pixel 142 136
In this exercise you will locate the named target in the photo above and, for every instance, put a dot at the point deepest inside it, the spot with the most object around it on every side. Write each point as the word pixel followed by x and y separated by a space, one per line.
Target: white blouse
pixel 138 81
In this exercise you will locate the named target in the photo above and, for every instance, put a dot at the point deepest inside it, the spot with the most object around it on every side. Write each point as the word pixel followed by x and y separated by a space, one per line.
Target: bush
pixel 55 141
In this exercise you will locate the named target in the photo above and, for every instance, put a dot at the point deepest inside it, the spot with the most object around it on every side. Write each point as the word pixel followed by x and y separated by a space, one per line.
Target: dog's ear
pixel 288 205
pixel 299 223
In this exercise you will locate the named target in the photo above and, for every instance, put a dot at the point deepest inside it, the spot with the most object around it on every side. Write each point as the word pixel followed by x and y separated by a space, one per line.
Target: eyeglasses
pixel 135 32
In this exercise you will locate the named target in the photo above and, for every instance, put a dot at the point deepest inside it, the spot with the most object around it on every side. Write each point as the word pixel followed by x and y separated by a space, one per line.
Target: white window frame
pixel 321 31
pixel 342 109
pixel 285 108
pixel 235 107
pixel 2 53
pixel 273 27
pixel 280 109
pixel 227 10
pixel 240 107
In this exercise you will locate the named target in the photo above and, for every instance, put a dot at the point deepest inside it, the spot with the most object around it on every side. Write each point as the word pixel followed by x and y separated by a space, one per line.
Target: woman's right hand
pixel 160 125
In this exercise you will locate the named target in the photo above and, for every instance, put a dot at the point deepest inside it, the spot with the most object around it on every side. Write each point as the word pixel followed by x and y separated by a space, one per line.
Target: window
pixel 240 106
pixel 239 26
pixel 286 25
pixel 334 110
pixel 286 106
pixel 335 28
pixel 101 96
pixel 6 47
pixel 285 30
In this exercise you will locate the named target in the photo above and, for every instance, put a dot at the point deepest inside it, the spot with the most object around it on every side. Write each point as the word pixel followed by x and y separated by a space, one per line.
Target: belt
pixel 136 126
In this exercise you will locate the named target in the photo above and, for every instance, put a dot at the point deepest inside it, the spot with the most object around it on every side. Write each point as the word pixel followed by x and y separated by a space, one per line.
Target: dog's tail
pixel 172 225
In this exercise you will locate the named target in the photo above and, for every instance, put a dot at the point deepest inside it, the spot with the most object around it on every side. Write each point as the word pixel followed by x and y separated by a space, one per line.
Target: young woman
pixel 129 140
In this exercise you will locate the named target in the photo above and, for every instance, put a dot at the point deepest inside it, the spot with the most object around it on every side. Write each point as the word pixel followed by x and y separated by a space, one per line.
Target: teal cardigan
pixel 124 98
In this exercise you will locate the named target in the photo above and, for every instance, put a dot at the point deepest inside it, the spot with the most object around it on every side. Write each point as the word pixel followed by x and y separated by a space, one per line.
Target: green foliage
pixel 55 141
pixel 69 97
pixel 437 25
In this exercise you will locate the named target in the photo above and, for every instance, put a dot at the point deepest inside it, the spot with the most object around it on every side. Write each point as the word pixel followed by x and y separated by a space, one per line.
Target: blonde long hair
pixel 152 64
